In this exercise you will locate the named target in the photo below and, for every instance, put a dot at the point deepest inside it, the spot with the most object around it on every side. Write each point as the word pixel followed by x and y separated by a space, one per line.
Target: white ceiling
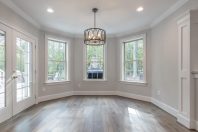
pixel 115 16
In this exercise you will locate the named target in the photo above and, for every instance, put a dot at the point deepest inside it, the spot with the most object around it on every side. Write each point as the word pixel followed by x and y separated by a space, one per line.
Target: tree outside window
pixel 56 60
pixel 95 62
pixel 133 60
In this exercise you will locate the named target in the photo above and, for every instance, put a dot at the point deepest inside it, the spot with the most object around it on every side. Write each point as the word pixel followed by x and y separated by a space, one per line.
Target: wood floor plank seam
pixel 94 114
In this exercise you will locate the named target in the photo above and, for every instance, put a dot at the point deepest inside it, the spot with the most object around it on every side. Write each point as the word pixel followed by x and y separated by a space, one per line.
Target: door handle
pixel 14 76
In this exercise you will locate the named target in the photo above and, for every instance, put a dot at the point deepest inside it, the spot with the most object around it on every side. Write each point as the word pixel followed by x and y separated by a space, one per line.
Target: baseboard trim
pixel 54 96
pixel 134 96
pixel 190 124
pixel 165 107
pixel 94 93
pixel 162 105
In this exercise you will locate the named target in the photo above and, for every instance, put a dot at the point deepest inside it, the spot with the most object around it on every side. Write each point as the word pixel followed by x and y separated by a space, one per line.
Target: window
pixel 95 66
pixel 57 69
pixel 134 60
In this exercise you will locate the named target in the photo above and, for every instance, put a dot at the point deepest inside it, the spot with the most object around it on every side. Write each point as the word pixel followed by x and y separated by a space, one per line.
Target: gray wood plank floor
pixel 93 114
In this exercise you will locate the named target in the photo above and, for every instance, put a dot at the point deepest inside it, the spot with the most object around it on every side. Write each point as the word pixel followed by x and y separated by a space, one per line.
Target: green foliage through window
pixel 133 60
pixel 56 60
pixel 95 61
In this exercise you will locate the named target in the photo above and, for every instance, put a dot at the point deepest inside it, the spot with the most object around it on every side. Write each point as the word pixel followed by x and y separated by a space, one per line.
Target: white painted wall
pixel 164 49
pixel 55 88
pixel 162 60
pixel 111 73
pixel 10 17
pixel 134 88
pixel 196 98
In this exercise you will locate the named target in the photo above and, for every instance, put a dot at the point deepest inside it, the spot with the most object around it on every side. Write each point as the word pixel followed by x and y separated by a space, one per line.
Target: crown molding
pixel 166 14
pixel 20 12
pixel 169 12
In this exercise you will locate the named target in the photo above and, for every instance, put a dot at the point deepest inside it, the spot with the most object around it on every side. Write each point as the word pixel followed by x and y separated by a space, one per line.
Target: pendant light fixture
pixel 94 36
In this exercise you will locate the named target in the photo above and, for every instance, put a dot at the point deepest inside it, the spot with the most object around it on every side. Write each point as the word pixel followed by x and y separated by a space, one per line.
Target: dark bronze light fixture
pixel 94 36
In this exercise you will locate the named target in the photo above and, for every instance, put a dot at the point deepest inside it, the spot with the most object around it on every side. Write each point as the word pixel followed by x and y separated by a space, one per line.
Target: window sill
pixel 57 82
pixel 94 80
pixel 135 83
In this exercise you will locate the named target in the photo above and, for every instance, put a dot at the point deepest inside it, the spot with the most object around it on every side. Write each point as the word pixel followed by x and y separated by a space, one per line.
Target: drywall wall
pixel 135 88
pixel 164 54
pixel 196 99
pixel 111 73
pixel 10 17
pixel 54 88
pixel 162 60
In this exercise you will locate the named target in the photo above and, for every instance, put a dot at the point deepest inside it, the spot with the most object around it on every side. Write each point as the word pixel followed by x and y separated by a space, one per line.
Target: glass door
pixel 24 93
pixel 5 74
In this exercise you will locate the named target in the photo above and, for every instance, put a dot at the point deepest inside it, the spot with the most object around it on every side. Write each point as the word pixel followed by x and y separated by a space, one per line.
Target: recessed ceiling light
pixel 50 10
pixel 140 9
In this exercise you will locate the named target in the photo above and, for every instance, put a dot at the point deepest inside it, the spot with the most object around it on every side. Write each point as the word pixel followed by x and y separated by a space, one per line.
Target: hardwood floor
pixel 93 114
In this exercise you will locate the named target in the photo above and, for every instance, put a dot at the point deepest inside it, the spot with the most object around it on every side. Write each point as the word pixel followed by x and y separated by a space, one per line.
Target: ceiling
pixel 115 16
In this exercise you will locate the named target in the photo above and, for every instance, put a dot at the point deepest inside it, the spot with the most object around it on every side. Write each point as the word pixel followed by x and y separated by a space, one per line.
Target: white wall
pixel 55 88
pixel 10 17
pixel 164 56
pixel 162 60
pixel 109 84
pixel 138 89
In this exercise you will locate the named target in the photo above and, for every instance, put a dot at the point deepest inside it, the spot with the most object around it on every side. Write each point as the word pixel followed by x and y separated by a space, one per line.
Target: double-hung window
pixel 94 62
pixel 134 60
pixel 57 60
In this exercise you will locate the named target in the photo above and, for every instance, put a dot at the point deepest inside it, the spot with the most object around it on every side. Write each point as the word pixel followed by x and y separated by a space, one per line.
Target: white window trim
pixel 67 73
pixel 84 65
pixel 142 36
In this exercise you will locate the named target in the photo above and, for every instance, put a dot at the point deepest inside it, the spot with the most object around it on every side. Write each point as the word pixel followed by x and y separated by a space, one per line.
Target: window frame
pixel 85 65
pixel 5 66
pixel 67 57
pixel 122 69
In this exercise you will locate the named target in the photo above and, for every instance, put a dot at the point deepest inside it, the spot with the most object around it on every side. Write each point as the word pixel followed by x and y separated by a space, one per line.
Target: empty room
pixel 98 65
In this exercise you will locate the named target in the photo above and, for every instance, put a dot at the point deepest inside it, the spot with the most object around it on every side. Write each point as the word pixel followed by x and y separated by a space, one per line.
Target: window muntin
pixel 95 62
pixel 57 61
pixel 134 68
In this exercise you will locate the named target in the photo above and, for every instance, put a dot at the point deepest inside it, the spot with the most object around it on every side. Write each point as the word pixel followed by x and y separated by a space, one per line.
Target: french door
pixel 17 72
pixel 5 73
pixel 23 72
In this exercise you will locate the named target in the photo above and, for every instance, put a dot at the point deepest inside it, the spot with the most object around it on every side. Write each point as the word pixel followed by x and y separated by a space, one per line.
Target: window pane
pixel 56 71
pixel 23 68
pixel 133 60
pixel 2 100
pixel 56 61
pixel 95 62
pixel 56 50
pixel 2 69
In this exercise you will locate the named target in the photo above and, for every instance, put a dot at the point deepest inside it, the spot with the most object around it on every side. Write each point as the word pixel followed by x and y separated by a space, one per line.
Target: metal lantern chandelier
pixel 94 36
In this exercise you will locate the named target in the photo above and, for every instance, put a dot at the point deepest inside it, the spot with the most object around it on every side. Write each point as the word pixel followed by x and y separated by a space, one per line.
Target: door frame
pixel 26 103
pixel 11 41
pixel 6 112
